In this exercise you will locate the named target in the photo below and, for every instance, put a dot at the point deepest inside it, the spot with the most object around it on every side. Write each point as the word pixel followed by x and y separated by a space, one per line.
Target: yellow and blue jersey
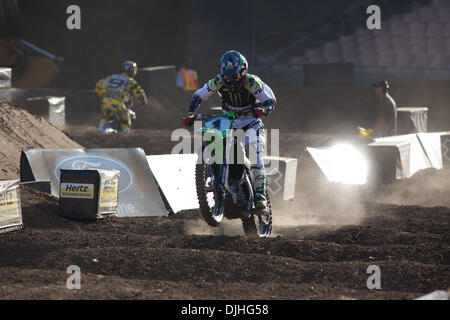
pixel 117 87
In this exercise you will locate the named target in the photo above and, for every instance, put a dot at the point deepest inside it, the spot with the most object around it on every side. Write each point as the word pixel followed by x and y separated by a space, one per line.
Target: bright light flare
pixel 347 165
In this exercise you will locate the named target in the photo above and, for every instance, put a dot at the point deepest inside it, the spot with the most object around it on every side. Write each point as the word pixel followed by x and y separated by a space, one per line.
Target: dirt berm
pixel 20 130
pixel 309 256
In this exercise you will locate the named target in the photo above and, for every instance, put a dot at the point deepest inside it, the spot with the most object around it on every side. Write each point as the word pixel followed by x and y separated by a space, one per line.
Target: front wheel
pixel 204 183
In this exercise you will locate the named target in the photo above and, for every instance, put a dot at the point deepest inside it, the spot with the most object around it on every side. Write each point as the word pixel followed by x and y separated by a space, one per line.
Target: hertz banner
pixel 76 190
pixel 10 206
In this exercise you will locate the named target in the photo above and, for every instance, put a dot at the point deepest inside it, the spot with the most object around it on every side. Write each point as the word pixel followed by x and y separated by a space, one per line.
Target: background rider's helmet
pixel 130 67
pixel 233 68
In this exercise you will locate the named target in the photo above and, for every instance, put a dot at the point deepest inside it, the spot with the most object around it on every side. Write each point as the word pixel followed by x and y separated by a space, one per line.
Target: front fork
pixel 223 186
pixel 219 208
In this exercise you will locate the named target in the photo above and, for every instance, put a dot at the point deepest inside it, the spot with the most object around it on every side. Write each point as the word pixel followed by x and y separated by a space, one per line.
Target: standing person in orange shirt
pixel 187 78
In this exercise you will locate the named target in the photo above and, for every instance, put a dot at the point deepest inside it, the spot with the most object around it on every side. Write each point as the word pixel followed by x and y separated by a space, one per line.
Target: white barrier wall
pixel 5 77
pixel 175 175
pixel 395 157
pixel 445 147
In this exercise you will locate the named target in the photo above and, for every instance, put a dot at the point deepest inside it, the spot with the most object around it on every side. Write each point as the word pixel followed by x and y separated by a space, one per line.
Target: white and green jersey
pixel 243 100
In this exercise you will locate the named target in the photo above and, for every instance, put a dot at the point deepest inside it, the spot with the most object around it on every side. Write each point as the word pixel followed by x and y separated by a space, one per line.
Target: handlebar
pixel 199 117
pixel 202 117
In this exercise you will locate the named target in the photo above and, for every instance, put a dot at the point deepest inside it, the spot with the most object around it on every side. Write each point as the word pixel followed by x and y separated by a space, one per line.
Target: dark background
pixel 156 32
pixel 149 32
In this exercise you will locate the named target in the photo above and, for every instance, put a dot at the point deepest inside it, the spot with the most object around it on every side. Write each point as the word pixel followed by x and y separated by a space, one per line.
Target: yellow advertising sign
pixel 9 201
pixel 10 207
pixel 108 195
pixel 76 190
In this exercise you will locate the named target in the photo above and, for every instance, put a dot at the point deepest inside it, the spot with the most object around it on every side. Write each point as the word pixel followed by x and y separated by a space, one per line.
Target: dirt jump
pixel 312 254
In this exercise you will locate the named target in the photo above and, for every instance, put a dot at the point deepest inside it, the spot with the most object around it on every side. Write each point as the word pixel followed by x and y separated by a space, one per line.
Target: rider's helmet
pixel 130 67
pixel 233 68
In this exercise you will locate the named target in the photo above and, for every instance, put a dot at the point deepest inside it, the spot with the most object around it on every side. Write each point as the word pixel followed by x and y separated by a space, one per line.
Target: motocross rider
pixel 249 98
pixel 114 91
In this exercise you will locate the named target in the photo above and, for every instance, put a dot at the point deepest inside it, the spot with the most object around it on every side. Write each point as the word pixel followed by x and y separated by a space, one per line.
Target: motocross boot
pixel 260 200
pixel 125 125
pixel 261 205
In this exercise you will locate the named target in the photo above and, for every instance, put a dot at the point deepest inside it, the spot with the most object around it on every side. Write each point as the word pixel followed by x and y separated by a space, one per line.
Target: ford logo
pixel 94 161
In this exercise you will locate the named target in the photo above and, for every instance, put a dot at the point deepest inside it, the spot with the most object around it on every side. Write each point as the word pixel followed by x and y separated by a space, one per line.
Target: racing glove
pixel 366 133
pixel 188 120
pixel 260 112
pixel 264 109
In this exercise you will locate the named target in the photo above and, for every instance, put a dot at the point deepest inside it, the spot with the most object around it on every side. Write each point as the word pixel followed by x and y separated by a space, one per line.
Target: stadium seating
pixel 413 42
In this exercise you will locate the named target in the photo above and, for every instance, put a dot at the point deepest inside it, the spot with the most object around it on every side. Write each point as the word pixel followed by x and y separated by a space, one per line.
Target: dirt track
pixel 159 259
pixel 181 258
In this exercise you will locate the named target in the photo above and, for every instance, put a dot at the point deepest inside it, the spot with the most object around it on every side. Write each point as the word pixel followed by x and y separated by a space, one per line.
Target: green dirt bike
pixel 225 188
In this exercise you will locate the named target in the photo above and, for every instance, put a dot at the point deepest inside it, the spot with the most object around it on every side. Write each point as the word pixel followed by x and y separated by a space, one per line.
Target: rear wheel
pixel 255 227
